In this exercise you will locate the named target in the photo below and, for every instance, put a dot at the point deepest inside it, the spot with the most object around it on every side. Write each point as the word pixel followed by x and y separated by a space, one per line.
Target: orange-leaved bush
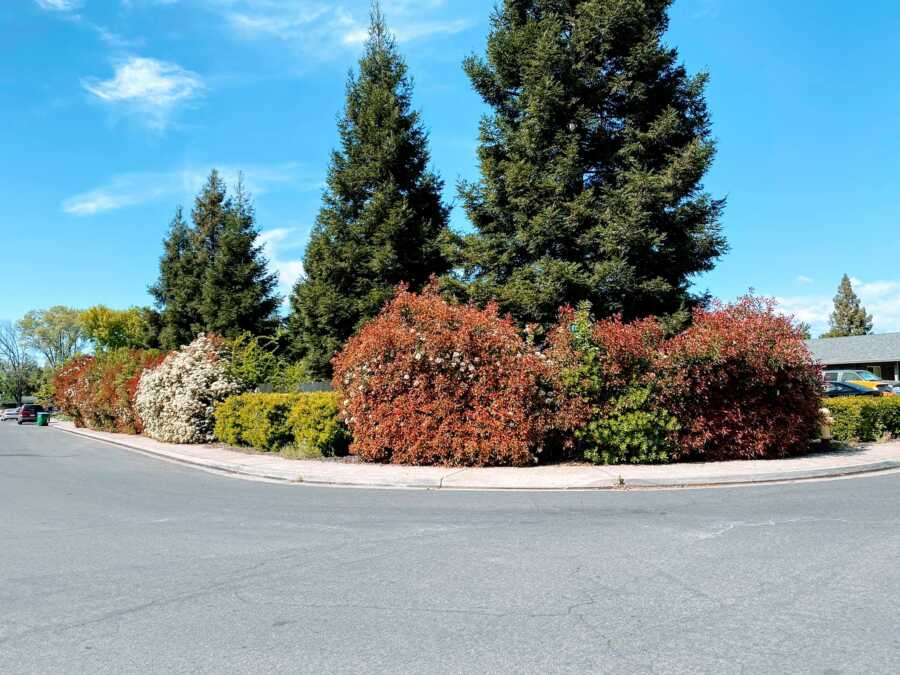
pixel 612 404
pixel 429 382
pixel 98 391
pixel 69 387
pixel 742 384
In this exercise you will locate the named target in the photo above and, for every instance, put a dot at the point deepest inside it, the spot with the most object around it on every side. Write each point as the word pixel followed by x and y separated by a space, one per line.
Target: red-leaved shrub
pixel 742 384
pixel 98 391
pixel 69 387
pixel 611 395
pixel 428 382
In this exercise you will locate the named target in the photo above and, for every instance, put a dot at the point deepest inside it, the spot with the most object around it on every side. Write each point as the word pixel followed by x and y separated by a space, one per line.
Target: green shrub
pixel 633 429
pixel 254 363
pixel 297 425
pixel 255 421
pixel 227 416
pixel 864 418
pixel 264 421
pixel 316 424
pixel 612 393
pixel 250 362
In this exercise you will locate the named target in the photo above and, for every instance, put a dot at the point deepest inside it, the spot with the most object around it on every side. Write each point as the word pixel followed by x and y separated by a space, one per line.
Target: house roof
pixel 856 349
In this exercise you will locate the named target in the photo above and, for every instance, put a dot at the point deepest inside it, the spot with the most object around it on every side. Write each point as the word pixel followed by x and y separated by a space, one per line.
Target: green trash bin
pixel 43 418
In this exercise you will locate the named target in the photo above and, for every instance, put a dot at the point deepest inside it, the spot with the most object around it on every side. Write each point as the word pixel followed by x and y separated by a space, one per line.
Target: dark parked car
pixel 28 413
pixel 833 389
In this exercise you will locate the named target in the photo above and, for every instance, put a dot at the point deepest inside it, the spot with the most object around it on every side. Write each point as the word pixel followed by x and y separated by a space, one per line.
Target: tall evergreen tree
pixel 211 207
pixel 591 162
pixel 849 316
pixel 177 289
pixel 213 276
pixel 382 221
pixel 239 293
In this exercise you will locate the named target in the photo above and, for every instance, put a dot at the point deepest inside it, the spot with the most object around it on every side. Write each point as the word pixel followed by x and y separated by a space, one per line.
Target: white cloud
pixel 809 309
pixel 317 28
pixel 147 86
pixel 122 191
pixel 803 280
pixel 132 3
pixel 135 189
pixel 58 5
pixel 881 298
pixel 283 247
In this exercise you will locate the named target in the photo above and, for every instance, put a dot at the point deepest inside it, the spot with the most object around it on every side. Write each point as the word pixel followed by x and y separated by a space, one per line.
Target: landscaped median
pixel 456 387
pixel 268 467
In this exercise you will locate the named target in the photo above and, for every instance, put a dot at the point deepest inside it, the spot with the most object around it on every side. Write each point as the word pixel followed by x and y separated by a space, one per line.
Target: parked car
pixel 9 414
pixel 863 378
pixel 28 413
pixel 833 389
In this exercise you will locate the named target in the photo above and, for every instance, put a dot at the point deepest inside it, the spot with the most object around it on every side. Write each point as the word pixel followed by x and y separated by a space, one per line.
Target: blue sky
pixel 115 110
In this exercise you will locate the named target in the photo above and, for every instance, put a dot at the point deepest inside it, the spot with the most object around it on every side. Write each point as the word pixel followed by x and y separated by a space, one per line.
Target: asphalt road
pixel 115 562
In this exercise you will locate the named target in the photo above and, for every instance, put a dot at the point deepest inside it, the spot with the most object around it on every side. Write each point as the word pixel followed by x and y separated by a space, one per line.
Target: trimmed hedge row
pixel 864 418
pixel 296 425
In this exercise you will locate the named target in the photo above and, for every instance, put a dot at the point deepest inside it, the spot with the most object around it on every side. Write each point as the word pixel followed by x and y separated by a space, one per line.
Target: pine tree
pixel 382 221
pixel 591 163
pixel 210 209
pixel 849 316
pixel 213 276
pixel 239 294
pixel 176 292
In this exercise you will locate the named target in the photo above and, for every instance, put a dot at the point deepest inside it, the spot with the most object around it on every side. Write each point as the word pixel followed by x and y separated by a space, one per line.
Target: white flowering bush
pixel 176 399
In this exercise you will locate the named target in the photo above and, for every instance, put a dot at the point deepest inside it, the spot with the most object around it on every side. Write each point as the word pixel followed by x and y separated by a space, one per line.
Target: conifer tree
pixel 176 292
pixel 213 276
pixel 239 293
pixel 849 316
pixel 210 209
pixel 382 221
pixel 592 160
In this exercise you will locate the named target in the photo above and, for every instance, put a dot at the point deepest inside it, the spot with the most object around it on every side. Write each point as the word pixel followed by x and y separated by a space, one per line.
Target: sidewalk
pixel 864 459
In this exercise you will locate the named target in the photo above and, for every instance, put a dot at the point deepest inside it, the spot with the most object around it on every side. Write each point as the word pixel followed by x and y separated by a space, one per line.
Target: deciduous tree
pixel 111 329
pixel 57 333
pixel 19 373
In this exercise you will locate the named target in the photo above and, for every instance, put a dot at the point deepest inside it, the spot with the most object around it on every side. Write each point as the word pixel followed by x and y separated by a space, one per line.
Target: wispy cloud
pixel 283 246
pixel 133 3
pixel 58 5
pixel 810 309
pixel 319 27
pixel 803 280
pixel 66 10
pixel 135 189
pixel 147 87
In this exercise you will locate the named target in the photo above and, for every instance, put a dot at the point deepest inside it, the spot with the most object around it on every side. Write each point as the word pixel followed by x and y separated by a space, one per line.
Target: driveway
pixel 116 562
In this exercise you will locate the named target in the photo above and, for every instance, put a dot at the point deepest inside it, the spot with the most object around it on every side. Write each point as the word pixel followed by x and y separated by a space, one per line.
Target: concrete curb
pixel 874 459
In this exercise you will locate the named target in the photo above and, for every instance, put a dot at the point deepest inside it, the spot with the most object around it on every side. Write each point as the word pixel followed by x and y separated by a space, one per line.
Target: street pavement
pixel 113 562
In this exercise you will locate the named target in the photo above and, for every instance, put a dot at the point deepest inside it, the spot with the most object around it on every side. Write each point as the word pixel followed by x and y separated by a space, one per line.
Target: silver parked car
pixel 10 414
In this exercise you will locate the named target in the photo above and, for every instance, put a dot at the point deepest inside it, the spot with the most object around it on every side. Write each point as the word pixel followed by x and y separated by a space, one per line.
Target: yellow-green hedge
pixel 297 425
pixel 864 418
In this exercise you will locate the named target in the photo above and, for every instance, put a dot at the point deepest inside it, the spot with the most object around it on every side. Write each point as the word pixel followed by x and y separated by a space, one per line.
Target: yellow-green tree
pixel 57 333
pixel 112 329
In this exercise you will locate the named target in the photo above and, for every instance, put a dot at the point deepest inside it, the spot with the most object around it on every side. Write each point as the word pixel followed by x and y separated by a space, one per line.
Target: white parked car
pixel 10 414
